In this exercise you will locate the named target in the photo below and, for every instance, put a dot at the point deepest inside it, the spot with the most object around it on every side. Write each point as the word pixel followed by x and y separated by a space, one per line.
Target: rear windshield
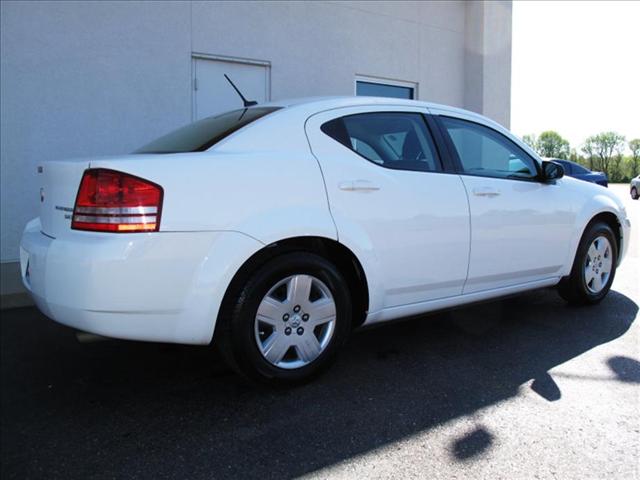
pixel 203 134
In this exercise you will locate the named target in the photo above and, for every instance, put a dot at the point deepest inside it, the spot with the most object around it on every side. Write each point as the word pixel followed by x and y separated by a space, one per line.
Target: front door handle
pixel 358 186
pixel 486 192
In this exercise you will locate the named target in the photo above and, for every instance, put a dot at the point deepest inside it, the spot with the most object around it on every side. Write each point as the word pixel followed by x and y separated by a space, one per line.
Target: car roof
pixel 327 103
pixel 301 109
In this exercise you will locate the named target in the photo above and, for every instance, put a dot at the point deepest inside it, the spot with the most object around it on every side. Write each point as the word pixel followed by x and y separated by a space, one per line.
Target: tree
pixel 588 149
pixel 573 156
pixel 634 146
pixel 530 140
pixel 602 149
pixel 551 144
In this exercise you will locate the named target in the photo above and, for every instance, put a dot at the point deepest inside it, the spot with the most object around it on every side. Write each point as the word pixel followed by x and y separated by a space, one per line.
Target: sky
pixel 576 68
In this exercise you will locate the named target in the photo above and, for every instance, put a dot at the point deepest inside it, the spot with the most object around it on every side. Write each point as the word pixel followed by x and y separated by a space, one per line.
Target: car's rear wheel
pixel 594 266
pixel 634 193
pixel 288 321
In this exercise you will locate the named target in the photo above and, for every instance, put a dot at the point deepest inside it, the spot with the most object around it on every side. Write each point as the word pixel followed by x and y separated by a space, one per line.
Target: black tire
pixel 634 193
pixel 236 333
pixel 574 288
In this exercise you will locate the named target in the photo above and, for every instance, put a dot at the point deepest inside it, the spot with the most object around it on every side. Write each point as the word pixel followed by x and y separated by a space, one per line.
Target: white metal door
pixel 520 232
pixel 213 94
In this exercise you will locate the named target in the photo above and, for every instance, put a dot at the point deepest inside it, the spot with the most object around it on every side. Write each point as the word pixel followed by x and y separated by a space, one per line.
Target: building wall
pixel 99 78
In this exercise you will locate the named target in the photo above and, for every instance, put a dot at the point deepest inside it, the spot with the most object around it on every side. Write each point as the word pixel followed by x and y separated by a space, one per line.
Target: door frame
pixel 195 56
pixel 452 153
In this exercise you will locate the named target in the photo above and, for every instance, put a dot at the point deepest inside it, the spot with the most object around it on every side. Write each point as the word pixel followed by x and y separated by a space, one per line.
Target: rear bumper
pixel 164 287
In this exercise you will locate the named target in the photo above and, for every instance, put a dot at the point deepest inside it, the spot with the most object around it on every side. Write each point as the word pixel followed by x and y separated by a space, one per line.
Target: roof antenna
pixel 247 103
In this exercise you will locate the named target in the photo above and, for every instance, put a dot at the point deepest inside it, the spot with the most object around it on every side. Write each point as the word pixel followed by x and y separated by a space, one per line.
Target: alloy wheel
pixel 598 264
pixel 295 321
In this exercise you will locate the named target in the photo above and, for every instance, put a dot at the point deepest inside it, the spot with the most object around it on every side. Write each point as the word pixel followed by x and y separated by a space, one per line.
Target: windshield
pixel 203 134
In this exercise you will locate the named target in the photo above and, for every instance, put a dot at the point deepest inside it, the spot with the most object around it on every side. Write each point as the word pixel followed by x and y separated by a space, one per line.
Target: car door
pixel 520 226
pixel 388 194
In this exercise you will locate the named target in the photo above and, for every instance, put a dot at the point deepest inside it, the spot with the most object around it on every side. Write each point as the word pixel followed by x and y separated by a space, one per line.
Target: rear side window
pixel 203 134
pixel 398 140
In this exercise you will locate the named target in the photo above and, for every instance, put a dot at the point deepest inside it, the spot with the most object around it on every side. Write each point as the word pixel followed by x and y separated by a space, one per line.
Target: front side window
pixel 203 134
pixel 395 140
pixel 485 152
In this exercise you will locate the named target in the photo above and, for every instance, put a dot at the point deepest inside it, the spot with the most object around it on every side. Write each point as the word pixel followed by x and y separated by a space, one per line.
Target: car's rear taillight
pixel 111 201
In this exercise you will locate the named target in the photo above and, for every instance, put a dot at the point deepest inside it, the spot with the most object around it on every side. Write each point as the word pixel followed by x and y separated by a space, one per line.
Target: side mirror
pixel 551 171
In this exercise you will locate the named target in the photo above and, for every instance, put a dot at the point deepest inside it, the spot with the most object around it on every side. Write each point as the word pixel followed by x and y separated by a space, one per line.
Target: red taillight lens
pixel 111 201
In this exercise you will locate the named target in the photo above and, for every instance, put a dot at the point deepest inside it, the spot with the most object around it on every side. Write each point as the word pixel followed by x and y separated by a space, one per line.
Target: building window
pixel 366 87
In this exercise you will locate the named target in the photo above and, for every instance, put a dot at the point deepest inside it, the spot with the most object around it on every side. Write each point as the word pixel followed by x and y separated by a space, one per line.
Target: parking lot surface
pixel 526 387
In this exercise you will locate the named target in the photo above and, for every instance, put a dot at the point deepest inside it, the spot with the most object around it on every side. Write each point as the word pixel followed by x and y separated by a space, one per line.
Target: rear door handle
pixel 486 192
pixel 358 186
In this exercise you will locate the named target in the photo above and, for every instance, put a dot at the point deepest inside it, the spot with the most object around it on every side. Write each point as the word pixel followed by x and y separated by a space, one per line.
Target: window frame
pixel 388 83
pixel 457 163
pixel 441 165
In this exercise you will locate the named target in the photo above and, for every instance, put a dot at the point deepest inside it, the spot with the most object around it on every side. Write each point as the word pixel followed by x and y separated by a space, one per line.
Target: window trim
pixel 388 82
pixel 437 154
pixel 457 163
pixel 447 162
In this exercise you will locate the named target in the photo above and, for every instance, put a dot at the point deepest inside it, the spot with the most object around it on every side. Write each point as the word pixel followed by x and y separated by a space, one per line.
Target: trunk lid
pixel 59 182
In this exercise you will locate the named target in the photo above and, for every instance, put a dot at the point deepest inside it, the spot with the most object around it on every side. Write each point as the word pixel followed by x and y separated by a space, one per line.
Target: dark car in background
pixel 576 170
pixel 635 188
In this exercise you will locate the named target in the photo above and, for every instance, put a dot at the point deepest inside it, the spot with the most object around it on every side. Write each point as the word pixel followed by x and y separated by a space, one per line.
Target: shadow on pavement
pixel 626 369
pixel 546 387
pixel 124 409
pixel 472 444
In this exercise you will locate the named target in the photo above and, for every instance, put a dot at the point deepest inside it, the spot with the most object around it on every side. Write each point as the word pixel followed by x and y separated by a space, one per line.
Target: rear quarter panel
pixel 267 195
pixel 256 188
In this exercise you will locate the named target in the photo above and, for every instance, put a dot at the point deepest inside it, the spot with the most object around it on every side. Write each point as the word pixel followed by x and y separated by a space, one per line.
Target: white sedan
pixel 274 230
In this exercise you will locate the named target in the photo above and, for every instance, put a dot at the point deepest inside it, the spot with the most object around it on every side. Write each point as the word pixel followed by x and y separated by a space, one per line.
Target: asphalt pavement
pixel 521 388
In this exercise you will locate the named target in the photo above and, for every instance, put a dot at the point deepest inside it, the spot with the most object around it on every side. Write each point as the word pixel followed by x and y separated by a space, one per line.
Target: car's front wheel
pixel 594 266
pixel 288 321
